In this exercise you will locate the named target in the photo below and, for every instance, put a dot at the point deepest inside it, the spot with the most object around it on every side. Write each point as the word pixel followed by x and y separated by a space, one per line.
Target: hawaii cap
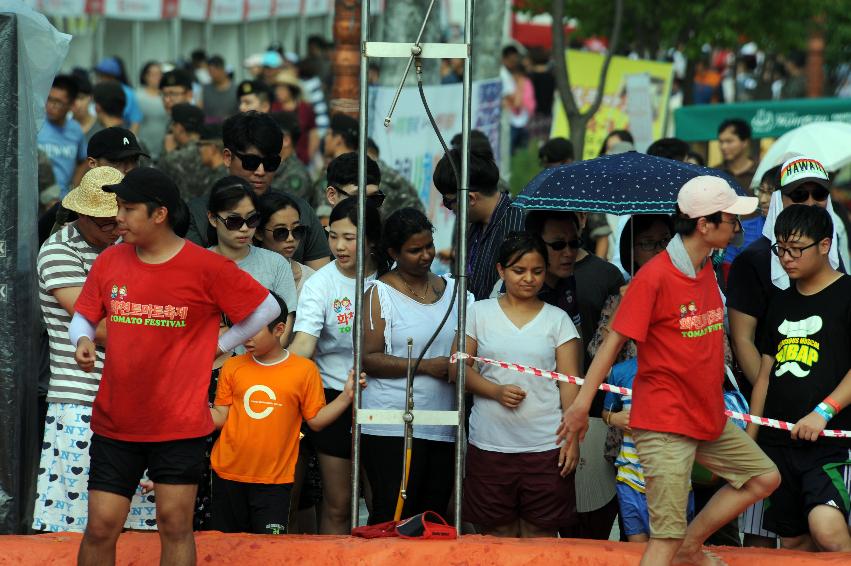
pixel 799 170
pixel 708 194
pixel 147 184
pixel 89 198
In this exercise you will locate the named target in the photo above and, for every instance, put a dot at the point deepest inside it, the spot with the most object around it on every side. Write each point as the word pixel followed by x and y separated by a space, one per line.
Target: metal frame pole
pixel 361 260
pixel 461 253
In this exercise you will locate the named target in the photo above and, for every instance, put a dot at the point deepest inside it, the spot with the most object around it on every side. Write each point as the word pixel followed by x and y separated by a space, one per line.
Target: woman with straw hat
pixel 63 264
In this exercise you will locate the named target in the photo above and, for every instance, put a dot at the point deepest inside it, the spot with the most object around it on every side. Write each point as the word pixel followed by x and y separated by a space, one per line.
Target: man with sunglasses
pixel 490 214
pixel 342 178
pixel 252 150
pixel 341 138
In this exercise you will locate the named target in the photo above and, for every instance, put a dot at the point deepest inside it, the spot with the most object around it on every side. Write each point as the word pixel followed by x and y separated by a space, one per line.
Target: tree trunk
pixel 579 120
pixel 346 57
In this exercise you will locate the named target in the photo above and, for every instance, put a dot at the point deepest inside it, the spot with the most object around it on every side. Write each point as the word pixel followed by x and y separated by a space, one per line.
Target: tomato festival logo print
pixel 694 324
pixel 145 314
pixel 345 314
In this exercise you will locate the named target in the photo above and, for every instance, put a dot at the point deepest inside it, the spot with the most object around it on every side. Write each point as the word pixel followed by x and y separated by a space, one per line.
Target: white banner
pixel 410 146
pixel 226 11
pixel 258 9
pixel 194 10
pixel 287 7
pixel 144 10
pixel 318 7
pixel 59 7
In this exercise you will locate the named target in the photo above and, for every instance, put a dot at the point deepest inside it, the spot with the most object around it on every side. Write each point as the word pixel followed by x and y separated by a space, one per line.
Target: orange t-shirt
pixel 259 441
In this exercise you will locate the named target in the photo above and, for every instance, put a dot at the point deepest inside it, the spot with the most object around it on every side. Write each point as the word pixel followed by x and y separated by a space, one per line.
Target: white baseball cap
pixel 708 194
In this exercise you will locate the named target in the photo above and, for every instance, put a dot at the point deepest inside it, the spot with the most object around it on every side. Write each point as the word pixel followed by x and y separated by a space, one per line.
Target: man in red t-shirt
pixel 673 310
pixel 162 298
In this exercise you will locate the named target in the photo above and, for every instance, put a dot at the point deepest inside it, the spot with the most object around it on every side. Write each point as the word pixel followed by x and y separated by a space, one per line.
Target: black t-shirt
pixel 596 281
pixel 809 336
pixel 563 296
pixel 749 286
pixel 544 84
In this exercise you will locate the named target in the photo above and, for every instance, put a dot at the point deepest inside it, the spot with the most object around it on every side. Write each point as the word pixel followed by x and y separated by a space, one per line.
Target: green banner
pixel 767 118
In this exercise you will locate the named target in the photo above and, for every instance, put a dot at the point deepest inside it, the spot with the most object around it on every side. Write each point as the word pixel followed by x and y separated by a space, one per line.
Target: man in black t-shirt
pixel 805 378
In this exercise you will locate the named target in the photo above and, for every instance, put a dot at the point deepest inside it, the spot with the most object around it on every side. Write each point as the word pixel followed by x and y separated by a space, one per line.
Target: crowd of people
pixel 197 281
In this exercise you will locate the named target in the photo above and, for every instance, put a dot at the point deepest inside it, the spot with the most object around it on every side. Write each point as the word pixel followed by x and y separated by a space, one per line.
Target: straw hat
pixel 288 78
pixel 90 199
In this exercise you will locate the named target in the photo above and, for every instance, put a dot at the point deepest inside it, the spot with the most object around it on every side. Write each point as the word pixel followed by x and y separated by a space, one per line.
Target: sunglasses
pixel 559 245
pixel 252 162
pixel 376 200
pixel 800 194
pixel 283 234
pixel 234 223
pixel 107 226
pixel 448 202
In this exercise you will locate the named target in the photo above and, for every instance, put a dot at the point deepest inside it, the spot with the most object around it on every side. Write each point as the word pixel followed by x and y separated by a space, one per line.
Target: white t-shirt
pixel 326 311
pixel 531 427
pixel 403 318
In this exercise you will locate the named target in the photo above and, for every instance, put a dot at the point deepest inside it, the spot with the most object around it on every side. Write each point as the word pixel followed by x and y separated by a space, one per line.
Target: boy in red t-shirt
pixel 261 399
pixel 673 310
pixel 162 298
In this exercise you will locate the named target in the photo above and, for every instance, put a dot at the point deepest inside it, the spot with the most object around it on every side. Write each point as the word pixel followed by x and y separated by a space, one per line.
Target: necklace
pixel 425 289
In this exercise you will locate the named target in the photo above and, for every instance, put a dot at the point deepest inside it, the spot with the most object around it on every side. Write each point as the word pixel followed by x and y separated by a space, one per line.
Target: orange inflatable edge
pixel 217 548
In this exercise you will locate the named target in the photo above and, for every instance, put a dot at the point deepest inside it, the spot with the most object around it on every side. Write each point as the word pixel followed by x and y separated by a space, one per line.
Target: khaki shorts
pixel 667 459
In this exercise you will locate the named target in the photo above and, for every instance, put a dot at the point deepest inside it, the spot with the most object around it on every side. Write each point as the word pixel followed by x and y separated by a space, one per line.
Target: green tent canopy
pixel 767 118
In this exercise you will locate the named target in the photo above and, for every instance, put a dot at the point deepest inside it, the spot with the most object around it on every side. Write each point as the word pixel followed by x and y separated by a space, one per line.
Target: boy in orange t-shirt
pixel 261 399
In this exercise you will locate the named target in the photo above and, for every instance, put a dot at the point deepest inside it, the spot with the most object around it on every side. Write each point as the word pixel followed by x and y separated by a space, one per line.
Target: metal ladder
pixel 409 416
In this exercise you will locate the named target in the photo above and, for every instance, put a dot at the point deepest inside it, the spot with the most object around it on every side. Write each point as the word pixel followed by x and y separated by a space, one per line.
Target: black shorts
pixel 118 465
pixel 501 488
pixel 259 508
pixel 812 475
pixel 336 438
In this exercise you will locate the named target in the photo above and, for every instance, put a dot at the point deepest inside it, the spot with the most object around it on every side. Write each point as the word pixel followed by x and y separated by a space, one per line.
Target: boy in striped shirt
pixel 630 477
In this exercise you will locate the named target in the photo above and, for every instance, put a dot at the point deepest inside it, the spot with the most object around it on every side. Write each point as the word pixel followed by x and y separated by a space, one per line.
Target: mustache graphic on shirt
pixel 793 368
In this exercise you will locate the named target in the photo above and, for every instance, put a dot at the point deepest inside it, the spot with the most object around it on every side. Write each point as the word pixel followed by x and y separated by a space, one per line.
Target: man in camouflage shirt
pixel 210 148
pixel 292 177
pixel 342 137
pixel 184 164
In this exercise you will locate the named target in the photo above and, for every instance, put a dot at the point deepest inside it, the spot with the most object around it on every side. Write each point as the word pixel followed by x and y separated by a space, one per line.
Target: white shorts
pixel 62 501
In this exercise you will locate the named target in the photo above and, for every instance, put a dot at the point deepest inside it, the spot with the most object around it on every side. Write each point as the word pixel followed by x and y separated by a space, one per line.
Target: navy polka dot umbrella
pixel 625 183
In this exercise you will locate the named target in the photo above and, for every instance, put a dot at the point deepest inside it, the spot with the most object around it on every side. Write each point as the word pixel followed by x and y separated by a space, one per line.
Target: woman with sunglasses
pixel 518 483
pixel 403 304
pixel 281 231
pixel 323 332
pixel 233 218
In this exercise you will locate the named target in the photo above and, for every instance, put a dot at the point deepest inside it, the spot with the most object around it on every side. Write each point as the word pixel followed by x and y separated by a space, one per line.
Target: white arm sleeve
pixel 80 326
pixel 250 325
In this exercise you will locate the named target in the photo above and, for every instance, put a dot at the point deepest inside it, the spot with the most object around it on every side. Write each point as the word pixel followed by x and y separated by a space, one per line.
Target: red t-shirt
pixel 162 327
pixel 678 323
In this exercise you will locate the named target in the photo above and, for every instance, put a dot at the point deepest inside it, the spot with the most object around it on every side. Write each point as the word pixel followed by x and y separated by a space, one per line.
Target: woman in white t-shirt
pixel 281 231
pixel 519 483
pixel 323 332
pixel 408 302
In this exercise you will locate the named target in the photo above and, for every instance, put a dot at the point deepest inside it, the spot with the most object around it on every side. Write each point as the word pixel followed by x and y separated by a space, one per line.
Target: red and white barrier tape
pixel 555 376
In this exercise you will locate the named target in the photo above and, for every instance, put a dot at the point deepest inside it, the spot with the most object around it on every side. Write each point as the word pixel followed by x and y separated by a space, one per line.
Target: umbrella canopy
pixel 626 183
pixel 827 142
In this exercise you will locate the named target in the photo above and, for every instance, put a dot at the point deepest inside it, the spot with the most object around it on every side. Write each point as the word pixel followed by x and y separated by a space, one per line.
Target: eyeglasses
pixel 234 223
pixel 376 199
pixel 736 223
pixel 653 245
pixel 794 253
pixel 252 162
pixel 559 245
pixel 448 202
pixel 801 194
pixel 283 234
pixel 107 226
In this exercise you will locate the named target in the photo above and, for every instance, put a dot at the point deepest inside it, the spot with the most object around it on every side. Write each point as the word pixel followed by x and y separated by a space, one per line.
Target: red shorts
pixel 500 488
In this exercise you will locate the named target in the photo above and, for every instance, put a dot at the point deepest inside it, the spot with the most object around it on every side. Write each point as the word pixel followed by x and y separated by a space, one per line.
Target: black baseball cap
pixel 188 115
pixel 176 77
pixel 147 184
pixel 115 144
pixel 211 133
pixel 251 87
pixel 343 124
